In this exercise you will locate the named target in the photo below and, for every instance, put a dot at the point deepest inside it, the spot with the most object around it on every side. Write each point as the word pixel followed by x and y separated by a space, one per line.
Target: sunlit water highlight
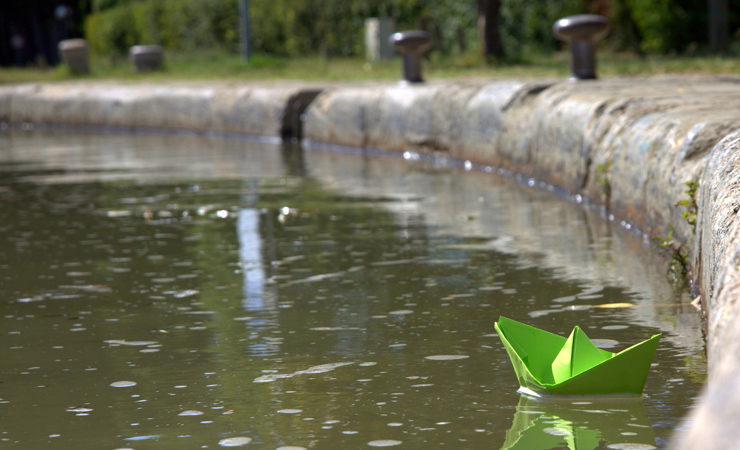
pixel 193 293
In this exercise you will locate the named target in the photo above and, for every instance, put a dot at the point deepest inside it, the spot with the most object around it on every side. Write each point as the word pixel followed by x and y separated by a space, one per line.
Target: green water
pixel 307 299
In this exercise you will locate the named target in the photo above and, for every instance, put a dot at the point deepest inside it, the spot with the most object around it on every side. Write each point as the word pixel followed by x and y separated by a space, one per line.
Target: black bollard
pixel 581 32
pixel 411 44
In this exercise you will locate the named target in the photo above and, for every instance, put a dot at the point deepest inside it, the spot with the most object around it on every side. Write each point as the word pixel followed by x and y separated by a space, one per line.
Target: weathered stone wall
pixel 628 143
pixel 258 110
pixel 714 421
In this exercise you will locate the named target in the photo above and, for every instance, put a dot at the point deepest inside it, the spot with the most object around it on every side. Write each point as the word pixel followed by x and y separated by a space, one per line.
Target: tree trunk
pixel 718 29
pixel 488 31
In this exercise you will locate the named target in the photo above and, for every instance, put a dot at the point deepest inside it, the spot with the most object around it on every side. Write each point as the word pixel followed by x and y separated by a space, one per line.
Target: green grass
pixel 217 65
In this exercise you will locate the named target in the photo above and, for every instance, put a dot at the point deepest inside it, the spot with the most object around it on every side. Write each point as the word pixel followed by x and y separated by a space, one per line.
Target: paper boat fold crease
pixel 546 363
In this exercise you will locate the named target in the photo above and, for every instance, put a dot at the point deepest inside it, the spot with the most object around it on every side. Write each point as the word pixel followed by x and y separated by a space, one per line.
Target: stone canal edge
pixel 662 153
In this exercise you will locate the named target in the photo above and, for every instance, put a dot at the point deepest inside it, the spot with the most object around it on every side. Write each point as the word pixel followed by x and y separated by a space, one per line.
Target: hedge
pixel 335 27
pixel 174 24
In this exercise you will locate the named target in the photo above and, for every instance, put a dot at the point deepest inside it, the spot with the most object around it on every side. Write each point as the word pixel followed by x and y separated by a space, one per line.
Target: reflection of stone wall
pixel 148 157
pixel 530 223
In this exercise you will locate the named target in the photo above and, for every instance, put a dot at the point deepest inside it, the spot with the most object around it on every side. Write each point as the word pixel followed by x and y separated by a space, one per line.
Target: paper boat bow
pixel 546 363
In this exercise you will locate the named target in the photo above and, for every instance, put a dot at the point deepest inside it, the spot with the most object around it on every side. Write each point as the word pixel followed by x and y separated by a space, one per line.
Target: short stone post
pixel 76 55
pixel 146 57
pixel 377 46
pixel 411 44
pixel 581 32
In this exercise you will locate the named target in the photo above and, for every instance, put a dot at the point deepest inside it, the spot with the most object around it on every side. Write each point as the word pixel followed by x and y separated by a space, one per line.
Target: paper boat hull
pixel 531 350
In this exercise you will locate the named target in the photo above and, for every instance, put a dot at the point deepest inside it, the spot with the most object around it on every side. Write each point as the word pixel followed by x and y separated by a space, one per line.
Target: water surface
pixel 184 292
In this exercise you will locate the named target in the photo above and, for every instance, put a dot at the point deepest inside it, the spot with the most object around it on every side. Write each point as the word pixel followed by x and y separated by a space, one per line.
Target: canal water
pixel 162 292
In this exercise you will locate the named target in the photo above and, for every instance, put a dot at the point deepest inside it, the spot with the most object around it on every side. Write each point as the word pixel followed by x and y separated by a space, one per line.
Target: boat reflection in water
pixel 579 423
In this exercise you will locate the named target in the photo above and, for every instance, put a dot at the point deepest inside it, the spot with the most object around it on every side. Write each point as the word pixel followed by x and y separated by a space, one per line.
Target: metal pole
pixel 244 28
pixel 718 28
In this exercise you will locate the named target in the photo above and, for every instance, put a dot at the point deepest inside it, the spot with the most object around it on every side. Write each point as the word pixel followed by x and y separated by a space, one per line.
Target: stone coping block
pixel 259 109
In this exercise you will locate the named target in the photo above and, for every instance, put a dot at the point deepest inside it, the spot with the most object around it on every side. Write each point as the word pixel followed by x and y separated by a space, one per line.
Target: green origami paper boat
pixel 546 363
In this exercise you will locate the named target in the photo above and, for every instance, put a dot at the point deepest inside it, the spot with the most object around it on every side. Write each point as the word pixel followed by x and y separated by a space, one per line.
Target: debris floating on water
pixel 322 368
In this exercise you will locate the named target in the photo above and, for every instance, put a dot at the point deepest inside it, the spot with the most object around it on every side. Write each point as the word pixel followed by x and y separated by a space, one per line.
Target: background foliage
pixel 335 27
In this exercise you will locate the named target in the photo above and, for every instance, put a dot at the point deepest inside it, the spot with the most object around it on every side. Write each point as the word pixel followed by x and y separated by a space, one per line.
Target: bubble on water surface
pixel 384 443
pixel 186 293
pixel 615 327
pixel 566 299
pixel 191 412
pixel 555 431
pixel 631 446
pixel 290 411
pixel 367 364
pixel 337 329
pixel 79 410
pixel 132 343
pixel 446 357
pixel 163 280
pixel 142 438
pixel 605 343
pixel 234 442
pixel 290 447
pixel 401 312
pixel 121 384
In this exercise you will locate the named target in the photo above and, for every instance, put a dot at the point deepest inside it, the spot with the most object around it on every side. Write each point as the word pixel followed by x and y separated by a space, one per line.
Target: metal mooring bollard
pixel 75 54
pixel 146 57
pixel 411 44
pixel 581 32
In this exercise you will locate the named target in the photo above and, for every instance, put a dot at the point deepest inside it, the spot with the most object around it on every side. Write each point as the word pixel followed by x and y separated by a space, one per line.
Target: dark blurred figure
pixel 18 44
pixel 31 29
